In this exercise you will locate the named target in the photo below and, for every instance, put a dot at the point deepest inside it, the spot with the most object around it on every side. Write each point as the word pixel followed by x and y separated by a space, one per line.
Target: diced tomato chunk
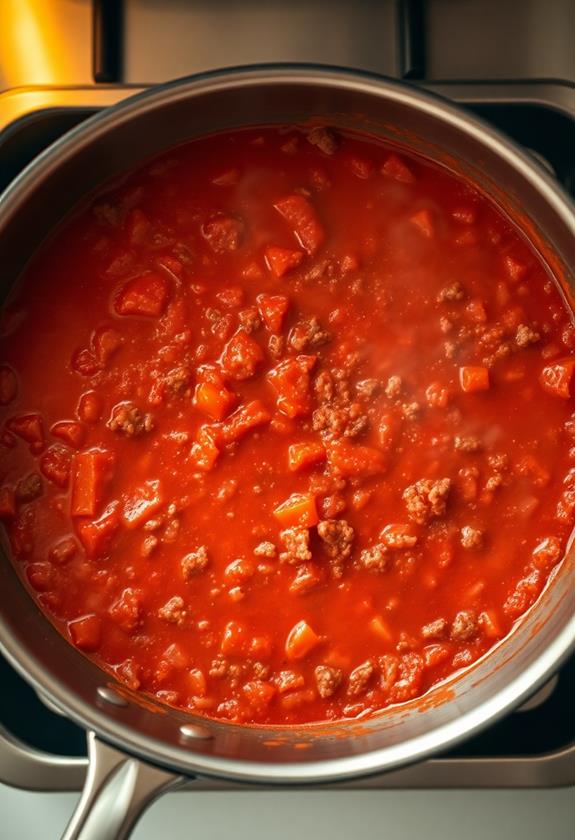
pixel 145 501
pixel 473 378
pixel 246 418
pixel 361 167
pixel 351 459
pixel 7 503
pixel 146 295
pixel 395 168
pixel 29 427
pixel 214 401
pixel 89 407
pixel 8 385
pixel 91 470
pixel 259 693
pixel 423 221
pixel 557 378
pixel 96 534
pixel 69 431
pixel 302 217
pixel 299 510
pixel 86 632
pixel 204 452
pixel 137 226
pixel 272 309
pixel 241 356
pixel 197 682
pixel 281 260
pixel 301 640
pixel 235 640
pixel 55 465
pixel 291 382
pixel 305 454
pixel 106 341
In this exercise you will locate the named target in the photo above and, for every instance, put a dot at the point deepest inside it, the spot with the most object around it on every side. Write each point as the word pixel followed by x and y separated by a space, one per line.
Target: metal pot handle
pixel 117 791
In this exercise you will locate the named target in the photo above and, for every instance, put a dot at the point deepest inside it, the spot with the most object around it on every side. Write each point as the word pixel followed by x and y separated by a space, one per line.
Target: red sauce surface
pixel 287 427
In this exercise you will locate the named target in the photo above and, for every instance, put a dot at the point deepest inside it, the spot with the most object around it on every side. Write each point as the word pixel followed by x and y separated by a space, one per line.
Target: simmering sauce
pixel 287 426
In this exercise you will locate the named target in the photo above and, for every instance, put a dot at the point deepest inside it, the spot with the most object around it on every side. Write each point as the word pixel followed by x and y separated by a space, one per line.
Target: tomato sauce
pixel 288 429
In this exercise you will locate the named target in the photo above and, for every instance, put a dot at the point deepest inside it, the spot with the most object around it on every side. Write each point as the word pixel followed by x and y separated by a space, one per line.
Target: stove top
pixel 40 101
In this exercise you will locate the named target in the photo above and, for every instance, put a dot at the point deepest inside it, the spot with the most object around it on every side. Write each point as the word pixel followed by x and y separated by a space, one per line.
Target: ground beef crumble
pixel 359 678
pixel 327 680
pixel 337 536
pixel 374 559
pixel 176 382
pixel 393 387
pixel 426 499
pixel 525 336
pixel 265 549
pixel 338 415
pixel 467 443
pixel 435 629
pixel 451 293
pixel 296 543
pixel 464 626
pixel 195 562
pixel 127 419
pixel 308 335
pixel 471 537
pixel 29 488
pixel 173 611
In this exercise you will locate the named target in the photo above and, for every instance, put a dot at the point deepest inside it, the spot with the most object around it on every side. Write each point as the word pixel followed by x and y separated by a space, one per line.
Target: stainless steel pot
pixel 138 749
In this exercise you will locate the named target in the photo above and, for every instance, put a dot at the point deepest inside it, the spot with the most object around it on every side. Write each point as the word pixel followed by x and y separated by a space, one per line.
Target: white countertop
pixel 351 815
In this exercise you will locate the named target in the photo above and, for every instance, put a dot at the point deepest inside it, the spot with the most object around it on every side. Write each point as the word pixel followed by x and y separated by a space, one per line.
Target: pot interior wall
pixel 119 140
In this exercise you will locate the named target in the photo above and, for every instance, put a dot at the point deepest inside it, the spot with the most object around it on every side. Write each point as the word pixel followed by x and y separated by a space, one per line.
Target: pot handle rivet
pixel 191 731
pixel 109 695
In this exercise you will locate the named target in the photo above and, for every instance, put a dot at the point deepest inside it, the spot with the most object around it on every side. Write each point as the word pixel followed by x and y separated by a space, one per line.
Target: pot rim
pixel 111 728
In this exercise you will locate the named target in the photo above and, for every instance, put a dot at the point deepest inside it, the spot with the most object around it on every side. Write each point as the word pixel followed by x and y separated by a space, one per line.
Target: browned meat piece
pixel 335 421
pixel 249 319
pixel 307 335
pixel 177 381
pixel 525 336
pixel 127 419
pixel 337 536
pixel 149 544
pixel 296 542
pixel 464 626
pixel 471 537
pixel 359 678
pixel 451 293
pixel 467 443
pixel 218 668
pixel 276 344
pixel 368 387
pixel 29 488
pixel 324 138
pixel 393 387
pixel 327 680
pixel 195 562
pixel 173 611
pixel 374 559
pixel 265 549
pixel 426 499
pixel 223 233
pixel 435 629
